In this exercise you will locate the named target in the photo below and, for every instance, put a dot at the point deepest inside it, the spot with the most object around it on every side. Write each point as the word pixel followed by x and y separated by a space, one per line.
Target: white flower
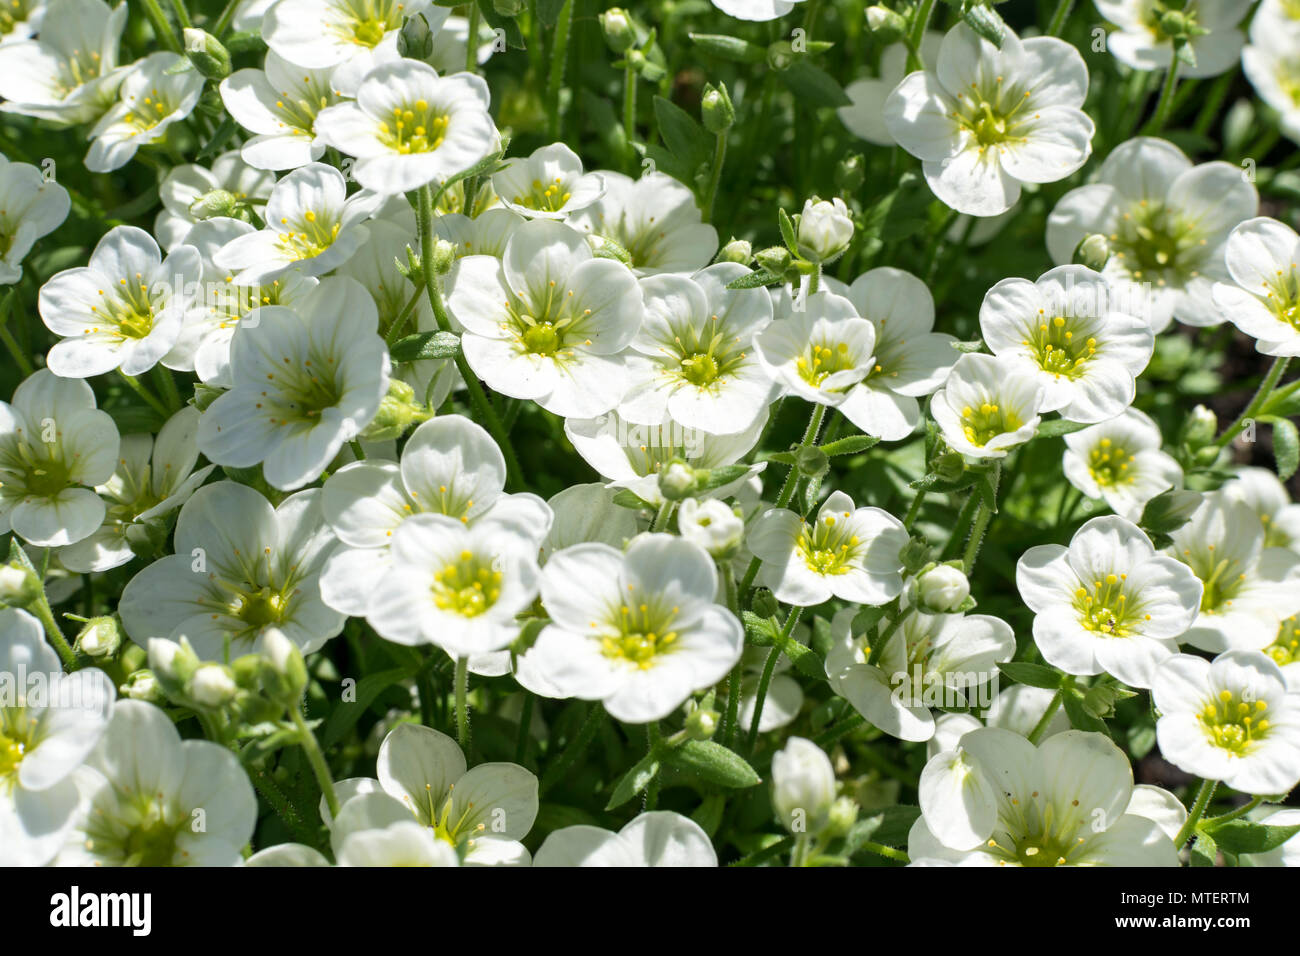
pixel 241 568
pixel 409 127
pixel 710 524
pixel 152 799
pixel 803 786
pixel 1121 462
pixel 279 104
pixel 70 74
pixel 587 512
pixel 696 361
pixel 824 230
pixel 1271 61
pixel 549 184
pixel 550 321
pixel 1285 651
pixel 1108 602
pixel 1142 44
pixel 987 120
pixel 942 589
pixel 655 219
pixel 1021 707
pixel 303 384
pixel 22 20
pixel 55 446
pixel 125 309
pixel 329 33
pixel 636 630
pixel 150 100
pixel 449 466
pixel 654 838
pixel 895 675
pixel 484 235
pixel 1248 585
pixel 184 187
pixel 1263 259
pixel 846 552
pixel 375 830
pixel 311 226
pixel 987 407
pixel 1063 331
pixel 1232 719
pixel 865 118
pixel 30 207
pixel 1267 497
pixel 910 361
pixel 152 479
pixel 756 9
pixel 997 800
pixel 1167 221
pixel 49 723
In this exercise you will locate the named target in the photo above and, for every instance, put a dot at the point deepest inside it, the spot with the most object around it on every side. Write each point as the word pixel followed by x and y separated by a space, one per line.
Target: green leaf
pixel 548 11
pixel 709 813
pixel 1058 427
pixel 514 38
pixel 1205 852
pixel 754 280
pixel 723 475
pixel 986 23
pixel 901 213
pixel 729 48
pixel 787 230
pixel 220 136
pixel 760 631
pixel 814 86
pixel 635 780
pixel 347 713
pixel 888 827
pixel 853 445
pixel 684 136
pixel 866 619
pixel 1286 447
pixel 1035 675
pixel 426 345
pixel 1080 719
pixel 1168 511
pixel 626 498
pixel 1245 836
pixel 714 763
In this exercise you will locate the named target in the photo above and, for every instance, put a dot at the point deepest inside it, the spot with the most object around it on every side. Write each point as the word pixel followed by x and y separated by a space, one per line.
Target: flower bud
pixel 212 685
pixel 701 723
pixel 217 202
pixel 605 248
pixel 915 555
pixel 844 813
pixel 775 259
pixel 620 34
pixel 765 603
pixel 415 40
pixel 676 481
pixel 811 461
pixel 825 229
pixel 887 26
pixel 172 663
pixel 19 587
pixel 850 173
pixel 803 786
pixel 205 51
pixel 284 673
pixel 737 250
pixel 1174 23
pixel 712 525
pixel 943 589
pixel 101 637
pixel 780 55
pixel 1093 251
pixel 1200 427
pixel 949 466
pixel 398 411
pixel 143 685
pixel 716 109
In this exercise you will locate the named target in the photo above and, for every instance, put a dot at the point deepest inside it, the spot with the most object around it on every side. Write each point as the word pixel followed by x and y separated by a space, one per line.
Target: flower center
pixel 149 112
pixel 1219 576
pixel 642 633
pixel 989 114
pixel 152 843
pixel 542 339
pixel 467 587
pixel 12 14
pixel 12 751
pixel 704 355
pixel 828 546
pixel 981 425
pixel 309 236
pixel 1151 238
pixel 1283 295
pixel 820 361
pixel 415 129
pixel 1057 350
pixel 1234 724
pixel 1286 648
pixel 1108 464
pixel 1105 608
pixel 128 308
pixel 298 106
pixel 301 395
pixel 266 606
pixel 545 197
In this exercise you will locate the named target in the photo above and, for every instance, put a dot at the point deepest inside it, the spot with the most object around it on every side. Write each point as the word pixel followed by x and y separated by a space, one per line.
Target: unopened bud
pixel 712 525
pixel 1200 427
pixel 217 202
pixel 886 25
pixel 943 589
pixel 508 8
pixel 774 259
pixel 205 51
pixel 844 813
pixel 1093 251
pixel 701 723
pixel 19 587
pixel 811 461
pixel 677 481
pixel 949 466
pixel 765 603
pixel 780 55
pixel 212 685
pixel 1174 23
pixel 825 229
pixel 101 637
pixel 398 411
pixel 737 250
pixel 284 673
pixel 415 40
pixel 143 685
pixel 716 109
pixel 173 663
pixel 620 34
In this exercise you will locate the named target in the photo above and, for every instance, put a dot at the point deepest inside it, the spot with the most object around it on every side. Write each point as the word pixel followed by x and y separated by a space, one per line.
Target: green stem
pixel 24 364
pixel 227 15
pixel 837 730
pixel 1241 811
pixel 161 28
pixel 765 679
pixel 168 384
pixel 182 14
pixel 525 728
pixel 143 391
pixel 462 703
pixel 767 853
pixel 1157 121
pixel 575 749
pixel 914 509
pixel 399 323
pixel 981 524
pixel 307 740
pixel 559 59
pixel 715 174
pixel 1198 810
pixel 663 516
pixel 920 18
pixel 471 44
pixel 629 118
pixel 1062 14
pixel 43 611
pixel 737 676
pixel 653 742
pixel 1261 396
pixel 1045 721
pixel 888 852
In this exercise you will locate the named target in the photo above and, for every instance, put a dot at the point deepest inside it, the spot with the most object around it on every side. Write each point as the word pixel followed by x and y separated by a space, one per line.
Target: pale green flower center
pixel 982 423
pixel 544 197
pixel 828 545
pixel 1108 464
pixel 1235 724
pixel 415 128
pixel 309 236
pixel 641 632
pixel 1106 608
pixel 704 356
pixel 12 13
pixel 1286 648
pixel 78 69
pixel 468 586
pixel 991 114
pixel 149 111
pixel 550 329
pixel 127 308
pixel 301 392
pixel 16 732
pixel 1221 577
pixel 823 359
pixel 136 833
pixel 1057 349
pixel 298 107
pixel 364 22
pixel 37 470
pixel 1033 833
pixel 1153 243
pixel 1282 292
pixel 262 607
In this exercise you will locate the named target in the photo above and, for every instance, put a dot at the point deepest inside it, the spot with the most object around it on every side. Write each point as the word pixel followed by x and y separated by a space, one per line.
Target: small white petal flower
pixel 1248 586
pixel 1285 651
pixel 279 104
pixel 1120 461
pixel 803 786
pixel 1271 61
pixel 485 235
pixel 986 120
pixel 712 525
pixel 986 407
pixel 150 100
pixel 55 446
pixel 637 630
pixel 846 552
pixel 1231 719
pixel 125 309
pixel 311 226
pixel 549 184
pixel 825 229
pixel 409 127
pixel 184 187
pixel 865 118
pixel 588 513
pixel 696 362
pixel 1141 43
pixel 942 589
pixel 997 800
pixel 759 10
pixel 329 33
pixel 1063 331
pixel 152 479
pixel 23 19
pixel 1267 497
pixel 655 219
pixel 1263 299
pixel 49 724
pixel 1168 223
pixel 1108 603
pixel 241 569
pixel 549 323
pixel 141 791
pixel 30 207
pixel 304 382
pixel 654 838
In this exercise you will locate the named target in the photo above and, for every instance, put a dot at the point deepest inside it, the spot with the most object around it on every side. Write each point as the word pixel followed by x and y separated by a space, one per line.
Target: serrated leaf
pixel 754 280
pixel 423 346
pixel 975 345
pixel 853 445
pixel 713 762
pixel 635 780
pixel 1035 675
pixel 1080 719
pixel 1245 836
